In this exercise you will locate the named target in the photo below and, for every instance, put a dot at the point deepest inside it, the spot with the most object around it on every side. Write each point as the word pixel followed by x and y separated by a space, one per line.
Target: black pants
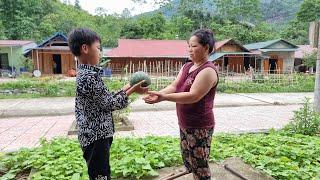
pixel 97 157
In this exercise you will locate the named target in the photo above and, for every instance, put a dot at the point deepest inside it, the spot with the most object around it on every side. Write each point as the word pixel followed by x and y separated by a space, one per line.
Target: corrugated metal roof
pixel 64 48
pixel 13 43
pixel 266 44
pixel 260 45
pixel 278 50
pixel 216 56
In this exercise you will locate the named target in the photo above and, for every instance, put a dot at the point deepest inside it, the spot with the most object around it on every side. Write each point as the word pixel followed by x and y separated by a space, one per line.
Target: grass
pixel 50 87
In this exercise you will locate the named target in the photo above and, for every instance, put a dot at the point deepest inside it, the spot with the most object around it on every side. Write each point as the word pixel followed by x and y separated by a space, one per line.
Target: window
pixel 4 61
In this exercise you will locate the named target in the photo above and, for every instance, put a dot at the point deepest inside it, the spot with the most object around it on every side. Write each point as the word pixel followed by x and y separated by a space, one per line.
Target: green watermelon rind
pixel 139 76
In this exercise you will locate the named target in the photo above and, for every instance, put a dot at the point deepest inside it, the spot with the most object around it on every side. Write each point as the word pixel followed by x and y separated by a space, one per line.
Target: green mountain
pixel 272 11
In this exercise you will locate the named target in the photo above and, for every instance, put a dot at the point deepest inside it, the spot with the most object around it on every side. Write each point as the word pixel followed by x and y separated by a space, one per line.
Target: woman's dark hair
pixel 205 37
pixel 78 37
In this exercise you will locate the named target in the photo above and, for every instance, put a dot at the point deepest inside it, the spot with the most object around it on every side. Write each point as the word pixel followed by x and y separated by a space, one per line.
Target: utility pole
pixel 314 37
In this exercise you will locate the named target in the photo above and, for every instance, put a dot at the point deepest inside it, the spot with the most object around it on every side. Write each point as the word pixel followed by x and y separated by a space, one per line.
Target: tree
pixel 126 13
pixel 239 10
pixel 100 11
pixel 279 11
pixel 131 30
pixel 109 28
pixel 161 3
pixel 310 59
pixel 2 32
pixel 152 26
pixel 296 32
pixel 242 32
pixel 196 11
pixel 179 27
pixel 77 4
pixel 309 11
pixel 21 19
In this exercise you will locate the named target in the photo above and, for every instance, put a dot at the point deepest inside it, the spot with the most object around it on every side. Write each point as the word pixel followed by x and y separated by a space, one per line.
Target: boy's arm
pixel 107 101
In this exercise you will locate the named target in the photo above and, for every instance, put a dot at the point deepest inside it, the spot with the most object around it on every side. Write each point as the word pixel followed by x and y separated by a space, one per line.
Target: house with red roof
pixel 11 54
pixel 134 54
pixel 139 54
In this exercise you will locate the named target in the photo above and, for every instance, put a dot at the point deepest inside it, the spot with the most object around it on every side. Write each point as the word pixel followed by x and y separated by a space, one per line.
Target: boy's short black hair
pixel 78 37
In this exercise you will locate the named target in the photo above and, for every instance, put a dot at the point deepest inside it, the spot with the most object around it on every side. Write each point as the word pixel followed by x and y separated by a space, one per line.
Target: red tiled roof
pixel 303 50
pixel 154 48
pixel 150 48
pixel 14 42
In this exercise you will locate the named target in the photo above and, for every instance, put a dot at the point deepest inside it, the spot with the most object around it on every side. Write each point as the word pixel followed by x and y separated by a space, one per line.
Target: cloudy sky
pixel 116 6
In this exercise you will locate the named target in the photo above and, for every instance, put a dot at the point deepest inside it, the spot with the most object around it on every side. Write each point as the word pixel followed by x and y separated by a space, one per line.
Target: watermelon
pixel 139 76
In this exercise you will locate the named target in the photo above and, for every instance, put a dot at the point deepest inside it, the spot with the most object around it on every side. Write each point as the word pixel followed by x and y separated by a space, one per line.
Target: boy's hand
pixel 137 88
pixel 126 87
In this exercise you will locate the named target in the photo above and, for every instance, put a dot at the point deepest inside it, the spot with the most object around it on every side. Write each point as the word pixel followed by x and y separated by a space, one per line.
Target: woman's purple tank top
pixel 199 114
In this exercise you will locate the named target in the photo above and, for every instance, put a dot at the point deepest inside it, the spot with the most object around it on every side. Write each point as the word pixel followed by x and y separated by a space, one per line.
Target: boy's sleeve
pixel 106 100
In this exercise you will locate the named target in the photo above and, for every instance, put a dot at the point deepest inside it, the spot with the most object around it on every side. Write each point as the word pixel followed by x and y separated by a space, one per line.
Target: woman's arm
pixel 202 84
pixel 173 86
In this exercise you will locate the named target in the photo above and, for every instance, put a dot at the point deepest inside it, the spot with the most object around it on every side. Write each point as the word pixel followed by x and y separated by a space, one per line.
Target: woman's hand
pixel 154 97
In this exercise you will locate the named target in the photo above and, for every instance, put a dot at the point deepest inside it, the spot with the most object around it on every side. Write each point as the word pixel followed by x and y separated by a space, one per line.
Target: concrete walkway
pixel 65 106
pixel 234 100
pixel 228 120
pixel 24 121
pixel 27 131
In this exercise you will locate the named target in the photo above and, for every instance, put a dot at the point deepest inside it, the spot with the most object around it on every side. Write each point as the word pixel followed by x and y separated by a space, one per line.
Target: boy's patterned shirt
pixel 94 105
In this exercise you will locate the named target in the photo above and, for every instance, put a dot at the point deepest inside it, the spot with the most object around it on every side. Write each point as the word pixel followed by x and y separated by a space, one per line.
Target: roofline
pixel 46 48
pixel 279 50
pixel 51 37
pixel 146 56
pixel 277 40
pixel 153 40
pixel 15 45
pixel 236 42
pixel 7 45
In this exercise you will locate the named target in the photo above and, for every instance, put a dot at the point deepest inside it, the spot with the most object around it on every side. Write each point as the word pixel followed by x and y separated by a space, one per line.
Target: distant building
pixel 139 53
pixel 11 54
pixel 53 55
pixel 277 56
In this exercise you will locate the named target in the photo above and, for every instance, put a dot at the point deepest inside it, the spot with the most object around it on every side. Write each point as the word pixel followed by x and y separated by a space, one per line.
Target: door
pixel 280 65
pixel 57 69
pixel 266 65
pixel 273 63
pixel 247 63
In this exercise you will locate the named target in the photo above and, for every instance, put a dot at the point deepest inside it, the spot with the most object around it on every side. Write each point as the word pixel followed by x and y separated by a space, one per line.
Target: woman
pixel 193 91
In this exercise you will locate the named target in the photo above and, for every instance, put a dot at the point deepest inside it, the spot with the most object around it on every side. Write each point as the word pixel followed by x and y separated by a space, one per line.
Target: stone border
pixel 125 126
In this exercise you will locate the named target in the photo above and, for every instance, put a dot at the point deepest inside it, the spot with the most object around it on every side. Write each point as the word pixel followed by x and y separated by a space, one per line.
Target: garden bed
pixel 277 154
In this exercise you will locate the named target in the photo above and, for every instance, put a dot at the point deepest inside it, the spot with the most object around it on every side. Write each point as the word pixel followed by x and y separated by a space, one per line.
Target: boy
pixel 94 103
